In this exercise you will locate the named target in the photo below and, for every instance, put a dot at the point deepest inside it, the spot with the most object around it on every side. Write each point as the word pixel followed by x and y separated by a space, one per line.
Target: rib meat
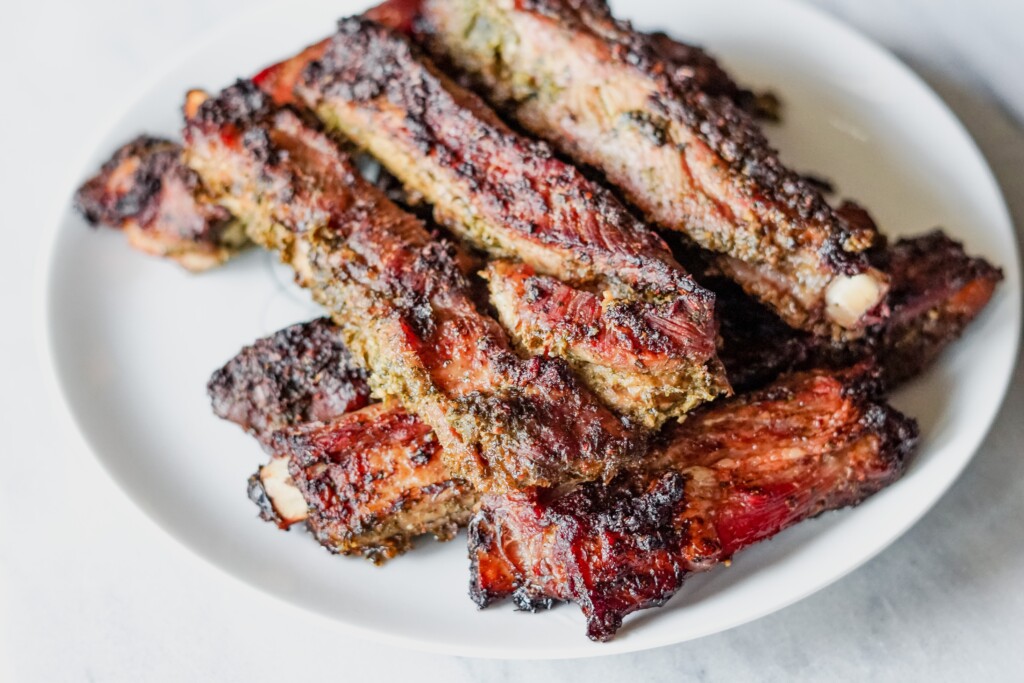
pixel 508 195
pixel 693 161
pixel 365 479
pixel 733 474
pixel 303 373
pixel 605 337
pixel 403 306
pixel 371 481
pixel 146 191
pixel 279 80
pixel 691 63
pixel 937 291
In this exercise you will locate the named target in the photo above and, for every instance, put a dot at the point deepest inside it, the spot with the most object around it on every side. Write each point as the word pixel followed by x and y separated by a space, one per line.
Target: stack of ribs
pixel 619 351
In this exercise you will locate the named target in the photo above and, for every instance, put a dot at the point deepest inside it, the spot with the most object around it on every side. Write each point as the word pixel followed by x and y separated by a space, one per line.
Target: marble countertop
pixel 91 590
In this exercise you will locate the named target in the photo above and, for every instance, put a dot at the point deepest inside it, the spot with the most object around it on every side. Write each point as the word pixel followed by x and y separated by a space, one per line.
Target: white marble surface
pixel 91 590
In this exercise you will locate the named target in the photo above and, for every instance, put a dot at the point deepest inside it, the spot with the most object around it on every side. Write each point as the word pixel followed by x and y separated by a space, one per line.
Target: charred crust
pixel 755 345
pixel 936 290
pixel 154 156
pixel 366 61
pixel 373 480
pixel 300 374
pixel 239 105
pixel 369 69
pixel 526 600
pixel 692 63
pixel 406 309
pixel 711 489
pixel 629 505
pixel 146 185
pixel 898 436
pixel 718 119
pixel 933 263
pixel 258 495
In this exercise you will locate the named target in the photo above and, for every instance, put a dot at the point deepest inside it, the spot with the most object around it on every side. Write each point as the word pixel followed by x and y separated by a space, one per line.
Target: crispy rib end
pixel 303 373
pixel 372 481
pixel 146 191
pixel 937 291
pixel 366 479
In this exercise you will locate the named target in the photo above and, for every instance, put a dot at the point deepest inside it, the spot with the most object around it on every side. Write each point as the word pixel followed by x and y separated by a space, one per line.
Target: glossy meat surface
pixel 609 96
pixel 402 304
pixel 510 196
pixel 145 190
pixel 366 479
pixel 734 473
pixel 372 481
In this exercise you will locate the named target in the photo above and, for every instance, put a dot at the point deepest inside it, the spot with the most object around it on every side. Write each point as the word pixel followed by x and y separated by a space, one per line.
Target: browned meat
pixel 369 482
pixel 278 80
pixel 510 196
pixel 937 290
pixel 297 375
pixel 147 192
pixel 606 339
pixel 693 161
pixel 707 75
pixel 690 62
pixel 403 306
pixel 755 345
pixel 365 479
pixel 732 474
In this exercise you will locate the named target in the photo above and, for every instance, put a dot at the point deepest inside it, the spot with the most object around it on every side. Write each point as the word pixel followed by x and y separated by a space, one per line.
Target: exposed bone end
pixel 850 298
pixel 193 100
pixel 284 497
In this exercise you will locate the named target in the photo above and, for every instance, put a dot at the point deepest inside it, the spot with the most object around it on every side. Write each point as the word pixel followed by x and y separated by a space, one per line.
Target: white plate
pixel 133 340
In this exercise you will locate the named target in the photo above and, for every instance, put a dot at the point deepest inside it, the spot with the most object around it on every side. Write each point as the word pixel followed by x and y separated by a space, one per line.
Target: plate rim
pixel 55 384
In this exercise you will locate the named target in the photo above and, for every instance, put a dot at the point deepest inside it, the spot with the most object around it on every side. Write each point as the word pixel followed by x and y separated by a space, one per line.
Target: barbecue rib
pixel 607 95
pixel 604 338
pixel 365 479
pixel 937 290
pixel 693 64
pixel 510 196
pixel 734 473
pixel 371 481
pixel 403 306
pixel 300 374
pixel 690 62
pixel 146 191
pixel 278 80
